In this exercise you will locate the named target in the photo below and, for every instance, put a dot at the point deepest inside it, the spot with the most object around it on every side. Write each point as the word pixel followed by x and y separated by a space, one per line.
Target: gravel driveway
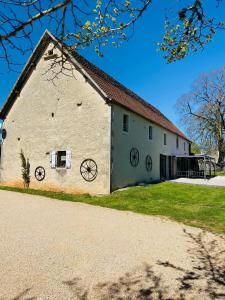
pixel 52 249
pixel 218 181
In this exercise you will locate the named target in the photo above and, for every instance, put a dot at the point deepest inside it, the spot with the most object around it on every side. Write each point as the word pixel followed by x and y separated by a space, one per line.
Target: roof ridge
pixel 118 84
pixel 110 87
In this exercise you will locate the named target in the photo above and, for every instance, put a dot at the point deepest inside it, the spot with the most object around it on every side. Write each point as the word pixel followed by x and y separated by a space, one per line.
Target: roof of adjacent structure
pixel 111 88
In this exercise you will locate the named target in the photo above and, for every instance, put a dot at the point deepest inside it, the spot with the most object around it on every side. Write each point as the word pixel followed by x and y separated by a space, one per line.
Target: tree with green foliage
pixel 98 23
pixel 195 149
pixel 193 28
pixel 203 112
pixel 25 165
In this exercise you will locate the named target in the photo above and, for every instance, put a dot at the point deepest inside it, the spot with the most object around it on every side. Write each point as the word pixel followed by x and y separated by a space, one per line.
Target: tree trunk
pixel 221 149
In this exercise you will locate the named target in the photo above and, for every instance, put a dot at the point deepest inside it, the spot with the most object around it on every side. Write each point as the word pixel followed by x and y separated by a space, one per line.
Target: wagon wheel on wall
pixel 89 169
pixel 134 157
pixel 148 163
pixel 39 173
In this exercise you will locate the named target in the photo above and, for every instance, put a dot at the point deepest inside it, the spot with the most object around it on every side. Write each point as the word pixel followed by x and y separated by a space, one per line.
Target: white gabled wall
pixel 69 116
pixel 123 174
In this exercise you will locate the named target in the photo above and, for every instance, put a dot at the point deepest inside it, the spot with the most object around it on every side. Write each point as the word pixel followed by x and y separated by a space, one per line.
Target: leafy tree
pixel 25 165
pixel 102 22
pixel 193 28
pixel 195 149
pixel 203 112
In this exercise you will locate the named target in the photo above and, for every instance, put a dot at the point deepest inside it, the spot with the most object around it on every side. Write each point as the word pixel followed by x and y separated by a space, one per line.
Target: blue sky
pixel 139 65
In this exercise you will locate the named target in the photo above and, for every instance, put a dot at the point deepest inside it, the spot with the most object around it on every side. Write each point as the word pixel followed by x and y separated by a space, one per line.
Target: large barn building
pixel 81 129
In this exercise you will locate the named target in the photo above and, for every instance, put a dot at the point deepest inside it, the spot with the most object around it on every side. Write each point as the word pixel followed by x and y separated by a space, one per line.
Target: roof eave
pixel 180 135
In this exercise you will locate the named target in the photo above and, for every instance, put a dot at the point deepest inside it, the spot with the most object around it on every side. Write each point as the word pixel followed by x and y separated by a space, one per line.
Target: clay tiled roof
pixel 113 90
pixel 120 94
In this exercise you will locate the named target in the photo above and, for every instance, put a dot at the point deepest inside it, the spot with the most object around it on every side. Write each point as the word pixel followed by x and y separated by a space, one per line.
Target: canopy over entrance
pixel 195 166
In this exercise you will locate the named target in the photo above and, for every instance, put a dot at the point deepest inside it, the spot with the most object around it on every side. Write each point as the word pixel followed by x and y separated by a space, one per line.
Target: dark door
pixel 162 167
pixel 172 169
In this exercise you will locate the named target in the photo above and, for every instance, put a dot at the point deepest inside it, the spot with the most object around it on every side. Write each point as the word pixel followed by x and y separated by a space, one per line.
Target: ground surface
pixel 63 250
pixel 200 206
pixel 214 181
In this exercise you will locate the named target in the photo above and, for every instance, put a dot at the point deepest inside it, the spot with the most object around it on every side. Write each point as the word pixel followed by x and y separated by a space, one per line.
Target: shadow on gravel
pixel 209 261
pixel 23 295
pixel 205 281
pixel 130 286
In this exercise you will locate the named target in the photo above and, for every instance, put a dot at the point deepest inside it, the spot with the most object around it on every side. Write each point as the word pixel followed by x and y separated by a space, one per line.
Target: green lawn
pixel 220 173
pixel 193 205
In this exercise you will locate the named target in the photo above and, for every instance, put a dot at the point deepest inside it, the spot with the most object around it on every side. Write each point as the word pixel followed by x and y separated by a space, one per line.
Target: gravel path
pixel 52 249
pixel 218 181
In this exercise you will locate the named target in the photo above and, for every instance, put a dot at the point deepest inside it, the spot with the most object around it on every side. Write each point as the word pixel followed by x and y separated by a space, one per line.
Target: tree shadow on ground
pixel 206 280
pixel 143 285
pixel 23 295
pixel 209 266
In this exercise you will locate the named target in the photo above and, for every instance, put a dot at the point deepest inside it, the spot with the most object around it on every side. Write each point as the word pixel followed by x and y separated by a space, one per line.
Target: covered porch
pixel 195 166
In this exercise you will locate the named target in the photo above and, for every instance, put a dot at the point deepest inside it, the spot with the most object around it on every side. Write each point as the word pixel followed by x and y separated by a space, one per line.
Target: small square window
pixel 177 142
pixel 150 132
pixel 61 159
pixel 164 138
pixel 125 123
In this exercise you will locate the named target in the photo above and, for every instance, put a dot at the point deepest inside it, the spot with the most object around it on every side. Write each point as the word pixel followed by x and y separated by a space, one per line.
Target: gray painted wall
pixel 123 174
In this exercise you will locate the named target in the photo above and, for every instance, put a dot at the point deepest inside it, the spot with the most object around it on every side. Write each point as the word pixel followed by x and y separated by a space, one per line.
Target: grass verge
pixel 220 173
pixel 197 206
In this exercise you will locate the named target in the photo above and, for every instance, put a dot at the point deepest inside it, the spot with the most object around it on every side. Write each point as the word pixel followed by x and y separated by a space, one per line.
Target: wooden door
pixel 162 167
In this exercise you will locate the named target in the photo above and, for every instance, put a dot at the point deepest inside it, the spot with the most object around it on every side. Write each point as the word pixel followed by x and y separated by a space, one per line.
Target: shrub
pixel 25 166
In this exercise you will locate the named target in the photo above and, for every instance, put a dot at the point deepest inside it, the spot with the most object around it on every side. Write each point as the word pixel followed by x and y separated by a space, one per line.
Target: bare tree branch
pixel 78 24
pixel 203 112
pixel 34 18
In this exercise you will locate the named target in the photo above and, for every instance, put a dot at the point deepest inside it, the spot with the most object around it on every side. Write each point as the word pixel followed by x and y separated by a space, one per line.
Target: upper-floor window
pixel 164 139
pixel 150 132
pixel 184 146
pixel 125 123
pixel 177 142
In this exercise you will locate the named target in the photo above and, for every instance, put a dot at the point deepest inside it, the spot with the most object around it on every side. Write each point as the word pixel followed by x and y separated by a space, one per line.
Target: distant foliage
pixel 195 149
pixel 25 166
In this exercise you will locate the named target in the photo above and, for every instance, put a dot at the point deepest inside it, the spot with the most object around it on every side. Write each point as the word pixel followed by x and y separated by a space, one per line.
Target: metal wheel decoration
pixel 89 169
pixel 148 163
pixel 39 173
pixel 134 157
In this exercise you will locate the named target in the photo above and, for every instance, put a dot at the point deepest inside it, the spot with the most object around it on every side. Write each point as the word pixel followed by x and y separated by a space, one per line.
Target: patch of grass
pixel 192 205
pixel 220 173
